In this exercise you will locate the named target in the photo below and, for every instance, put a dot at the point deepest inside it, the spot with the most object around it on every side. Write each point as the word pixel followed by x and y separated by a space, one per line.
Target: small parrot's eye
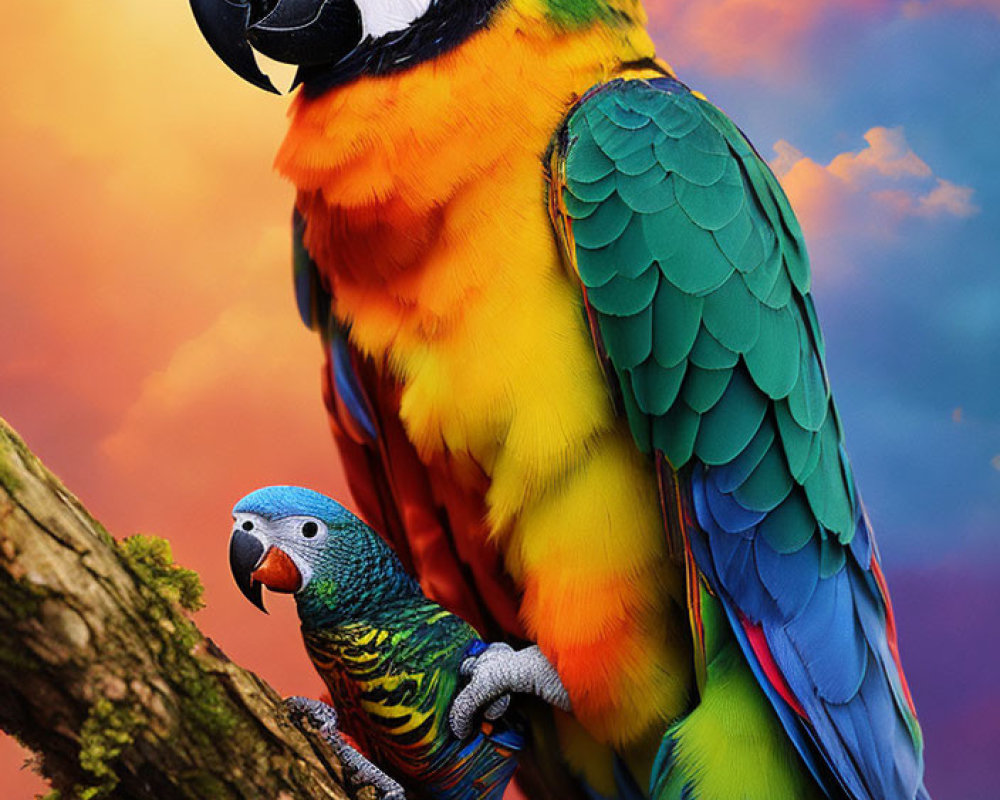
pixel 310 529
pixel 247 526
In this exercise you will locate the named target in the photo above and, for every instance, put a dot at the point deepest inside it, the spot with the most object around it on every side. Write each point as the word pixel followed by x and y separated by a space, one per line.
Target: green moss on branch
pixel 107 731
pixel 152 560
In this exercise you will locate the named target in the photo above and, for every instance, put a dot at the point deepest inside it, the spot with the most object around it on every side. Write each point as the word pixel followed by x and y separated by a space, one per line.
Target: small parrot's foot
pixel 360 770
pixel 496 673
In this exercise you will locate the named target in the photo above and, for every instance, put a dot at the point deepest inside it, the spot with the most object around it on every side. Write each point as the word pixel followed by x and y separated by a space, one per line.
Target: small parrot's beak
pixel 278 572
pixel 245 553
pixel 303 32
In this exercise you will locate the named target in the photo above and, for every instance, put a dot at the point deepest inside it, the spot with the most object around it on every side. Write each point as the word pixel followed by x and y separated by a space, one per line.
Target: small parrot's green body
pixel 393 673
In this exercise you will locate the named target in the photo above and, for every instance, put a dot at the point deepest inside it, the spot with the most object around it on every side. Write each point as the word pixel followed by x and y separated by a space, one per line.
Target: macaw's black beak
pixel 224 25
pixel 303 32
pixel 245 553
pixel 308 32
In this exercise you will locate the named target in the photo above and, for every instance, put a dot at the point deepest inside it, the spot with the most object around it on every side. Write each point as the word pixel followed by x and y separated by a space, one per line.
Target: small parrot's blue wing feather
pixel 696 281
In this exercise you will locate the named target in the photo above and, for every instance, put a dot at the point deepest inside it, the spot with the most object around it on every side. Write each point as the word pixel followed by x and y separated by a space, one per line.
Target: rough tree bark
pixel 104 675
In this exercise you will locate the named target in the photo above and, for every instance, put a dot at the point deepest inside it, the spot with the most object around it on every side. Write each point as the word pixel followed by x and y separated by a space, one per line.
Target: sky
pixel 153 357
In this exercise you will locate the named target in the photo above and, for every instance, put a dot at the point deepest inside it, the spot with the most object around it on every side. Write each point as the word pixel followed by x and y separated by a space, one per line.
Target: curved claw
pixel 360 770
pixel 497 708
pixel 319 714
pixel 496 673
pixel 224 25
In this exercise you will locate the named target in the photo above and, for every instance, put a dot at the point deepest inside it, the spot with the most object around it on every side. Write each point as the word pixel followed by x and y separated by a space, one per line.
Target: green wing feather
pixel 686 247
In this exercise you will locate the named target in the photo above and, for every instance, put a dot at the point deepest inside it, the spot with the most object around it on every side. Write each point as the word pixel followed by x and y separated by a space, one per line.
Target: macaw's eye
pixel 247 526
pixel 309 529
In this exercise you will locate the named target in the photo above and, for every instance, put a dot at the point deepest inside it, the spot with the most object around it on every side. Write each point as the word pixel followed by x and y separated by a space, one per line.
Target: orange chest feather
pixel 425 200
pixel 407 181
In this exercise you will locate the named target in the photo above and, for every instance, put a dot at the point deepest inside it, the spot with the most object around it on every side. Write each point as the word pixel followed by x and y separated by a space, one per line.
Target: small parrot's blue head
pixel 295 540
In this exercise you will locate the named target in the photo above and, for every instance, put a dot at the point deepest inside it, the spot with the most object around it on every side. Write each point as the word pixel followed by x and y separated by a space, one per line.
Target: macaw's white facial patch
pixel 379 17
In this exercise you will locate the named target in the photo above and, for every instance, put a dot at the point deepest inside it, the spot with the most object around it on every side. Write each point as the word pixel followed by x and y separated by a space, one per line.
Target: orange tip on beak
pixel 278 572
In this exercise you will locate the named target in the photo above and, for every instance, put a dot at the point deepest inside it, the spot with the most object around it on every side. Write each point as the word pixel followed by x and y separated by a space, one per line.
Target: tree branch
pixel 103 674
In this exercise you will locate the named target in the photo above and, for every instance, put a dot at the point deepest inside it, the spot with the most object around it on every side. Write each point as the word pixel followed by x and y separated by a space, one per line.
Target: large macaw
pixel 576 378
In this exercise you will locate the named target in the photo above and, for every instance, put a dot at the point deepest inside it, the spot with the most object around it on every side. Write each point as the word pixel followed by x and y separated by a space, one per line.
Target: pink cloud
pixel 944 200
pixel 864 194
pixel 947 199
pixel 729 36
pixel 919 8
pixel 885 178
pixel 887 154
pixel 771 37
pixel 818 196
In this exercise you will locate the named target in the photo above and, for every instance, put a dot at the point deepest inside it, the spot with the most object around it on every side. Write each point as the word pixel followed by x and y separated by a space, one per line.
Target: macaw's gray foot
pixel 360 770
pixel 496 673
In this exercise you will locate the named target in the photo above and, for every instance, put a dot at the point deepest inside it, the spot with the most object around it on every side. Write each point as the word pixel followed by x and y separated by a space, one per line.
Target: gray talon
pixel 497 708
pixel 496 673
pixel 359 769
pixel 321 716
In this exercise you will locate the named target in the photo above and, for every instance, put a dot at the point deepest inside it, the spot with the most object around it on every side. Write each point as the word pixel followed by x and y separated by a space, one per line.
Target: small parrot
pixel 392 659
pixel 576 376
